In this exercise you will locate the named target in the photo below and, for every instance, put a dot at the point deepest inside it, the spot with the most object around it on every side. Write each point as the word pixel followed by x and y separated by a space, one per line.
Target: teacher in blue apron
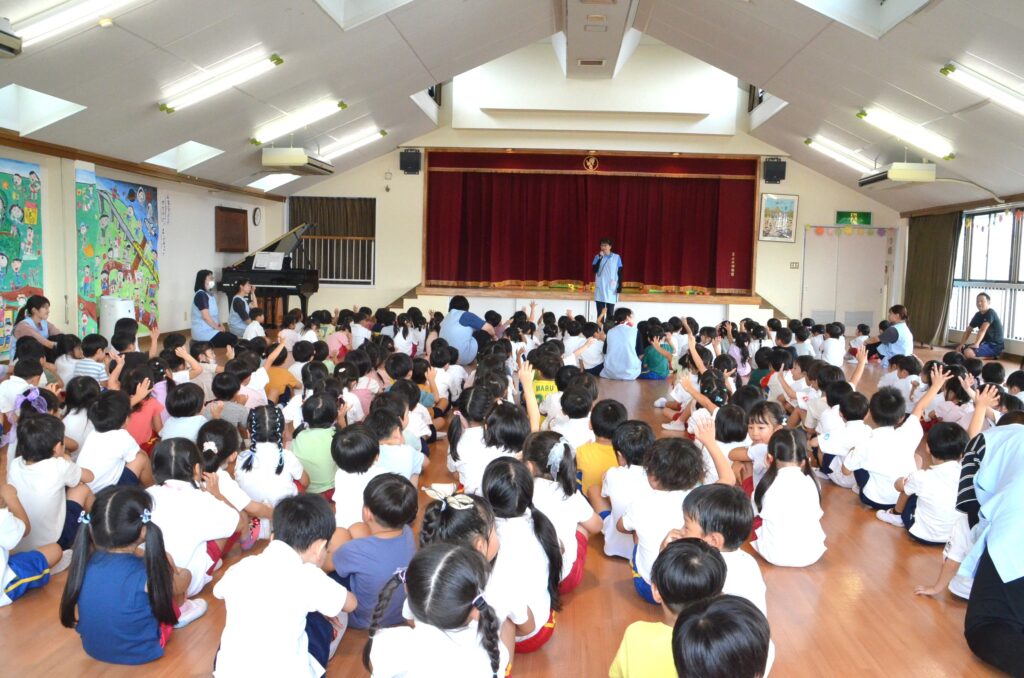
pixel 238 310
pixel 897 339
pixel 463 330
pixel 607 279
pixel 206 325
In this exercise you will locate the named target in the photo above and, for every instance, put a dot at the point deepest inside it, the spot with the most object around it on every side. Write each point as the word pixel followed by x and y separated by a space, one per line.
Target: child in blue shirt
pixel 365 565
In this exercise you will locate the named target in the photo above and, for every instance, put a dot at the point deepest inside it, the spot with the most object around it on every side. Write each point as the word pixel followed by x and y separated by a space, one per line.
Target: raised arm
pixel 862 361
pixel 194 368
pixel 269 362
pixel 984 400
pixel 939 378
pixel 694 356
pixel 532 409
pixel 706 435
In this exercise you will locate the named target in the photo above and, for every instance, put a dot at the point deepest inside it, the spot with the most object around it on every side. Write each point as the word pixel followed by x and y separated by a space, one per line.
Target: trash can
pixel 111 310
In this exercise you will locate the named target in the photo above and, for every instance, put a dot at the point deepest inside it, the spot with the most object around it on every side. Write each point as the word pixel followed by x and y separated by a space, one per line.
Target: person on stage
pixel 206 324
pixel 607 279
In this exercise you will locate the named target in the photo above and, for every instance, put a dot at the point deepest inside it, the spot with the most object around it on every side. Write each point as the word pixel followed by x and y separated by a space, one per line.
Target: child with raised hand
pixel 147 417
pixel 889 454
pixel 268 472
pixel 722 636
pixel 749 464
pixel 109 452
pixel 455 626
pixel 121 588
pixel 686 571
pixel 219 446
pixel 294 629
pixel 52 489
pixel 623 483
pixel 530 548
pixel 30 568
pixel 364 565
pixel 551 461
pixel 674 467
pixel 788 501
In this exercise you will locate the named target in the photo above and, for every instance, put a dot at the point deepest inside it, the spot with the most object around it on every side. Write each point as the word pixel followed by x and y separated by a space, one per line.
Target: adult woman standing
pixel 238 311
pixel 33 321
pixel 895 340
pixel 206 324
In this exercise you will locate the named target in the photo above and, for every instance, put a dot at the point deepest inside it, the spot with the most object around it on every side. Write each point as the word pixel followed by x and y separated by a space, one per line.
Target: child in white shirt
pixel 833 349
pixel 480 434
pixel 908 379
pixel 109 452
pixel 276 619
pixel 255 327
pixel 576 404
pixel 817 339
pixel 622 484
pixel 69 349
pixel 455 623
pixel 858 342
pixel 551 460
pixel 356 453
pixel 302 353
pixel 395 455
pixel 573 342
pixel 803 346
pixel 219 444
pixel 674 467
pixel 29 569
pixel 927 502
pixel 789 502
pixel 750 464
pixel 268 472
pixel 79 394
pixel 591 353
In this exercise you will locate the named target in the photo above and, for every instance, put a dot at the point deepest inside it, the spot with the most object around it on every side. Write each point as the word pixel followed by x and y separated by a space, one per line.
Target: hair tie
pixel 84 518
pixel 400 573
pixel 146 516
pixel 210 446
pixel 459 502
pixel 33 398
pixel 556 453
pixel 479 602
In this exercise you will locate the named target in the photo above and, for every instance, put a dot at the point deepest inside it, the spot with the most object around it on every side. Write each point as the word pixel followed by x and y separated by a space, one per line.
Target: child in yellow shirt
pixel 546 367
pixel 594 459
pixel 685 572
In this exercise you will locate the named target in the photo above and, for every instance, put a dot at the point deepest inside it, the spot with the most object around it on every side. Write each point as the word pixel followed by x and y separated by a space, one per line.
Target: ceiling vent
pixel 899 173
pixel 599 63
pixel 296 161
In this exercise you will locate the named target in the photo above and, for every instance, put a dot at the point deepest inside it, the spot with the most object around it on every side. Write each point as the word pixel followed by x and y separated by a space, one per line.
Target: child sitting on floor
pixel 621 484
pixel 594 459
pixel 576 403
pixel 30 568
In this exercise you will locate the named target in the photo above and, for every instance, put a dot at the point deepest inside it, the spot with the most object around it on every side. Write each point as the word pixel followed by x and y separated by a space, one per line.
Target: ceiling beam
pixel 13 140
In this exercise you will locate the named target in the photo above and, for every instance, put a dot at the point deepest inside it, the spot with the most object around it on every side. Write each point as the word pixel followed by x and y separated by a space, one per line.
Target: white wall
pixel 188 235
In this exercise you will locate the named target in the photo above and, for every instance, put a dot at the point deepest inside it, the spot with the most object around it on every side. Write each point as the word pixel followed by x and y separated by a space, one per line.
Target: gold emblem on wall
pixel 590 163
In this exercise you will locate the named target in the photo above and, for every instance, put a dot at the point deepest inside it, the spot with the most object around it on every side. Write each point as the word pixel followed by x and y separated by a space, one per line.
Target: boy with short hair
pixel 801 336
pixel 621 484
pixel 1015 384
pixel 395 455
pixel 993 373
pixel 551 408
pixel 547 365
pixel 21 572
pixel 94 348
pixel 857 343
pixel 575 427
pixel 255 328
pixel 109 452
pixel 299 625
pixel 302 353
pixel 594 459
pixel 226 390
pixel 836 444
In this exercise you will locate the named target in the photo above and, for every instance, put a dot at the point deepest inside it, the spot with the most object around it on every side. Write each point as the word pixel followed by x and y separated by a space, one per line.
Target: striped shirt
pixel 91 368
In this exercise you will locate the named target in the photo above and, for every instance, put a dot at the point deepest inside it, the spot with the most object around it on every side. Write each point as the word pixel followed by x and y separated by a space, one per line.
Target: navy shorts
pixel 128 477
pixel 72 512
pixel 31 571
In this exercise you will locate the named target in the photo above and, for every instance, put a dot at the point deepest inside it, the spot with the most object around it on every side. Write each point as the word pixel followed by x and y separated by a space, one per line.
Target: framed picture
pixel 778 217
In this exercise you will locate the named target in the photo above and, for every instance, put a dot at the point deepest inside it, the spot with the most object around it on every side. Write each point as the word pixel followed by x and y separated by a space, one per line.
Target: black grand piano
pixel 270 281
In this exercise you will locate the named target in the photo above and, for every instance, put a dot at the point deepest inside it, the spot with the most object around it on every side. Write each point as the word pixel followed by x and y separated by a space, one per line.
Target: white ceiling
pixel 828 71
pixel 119 72
pixel 825 70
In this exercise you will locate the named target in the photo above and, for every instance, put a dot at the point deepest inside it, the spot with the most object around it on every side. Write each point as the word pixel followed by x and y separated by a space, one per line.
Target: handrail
pixel 337 237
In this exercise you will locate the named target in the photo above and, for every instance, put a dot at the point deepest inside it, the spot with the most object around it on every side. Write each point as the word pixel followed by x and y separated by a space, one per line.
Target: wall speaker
pixel 410 160
pixel 774 170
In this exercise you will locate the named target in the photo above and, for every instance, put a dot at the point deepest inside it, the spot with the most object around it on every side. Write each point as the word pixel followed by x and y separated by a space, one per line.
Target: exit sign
pixel 854 218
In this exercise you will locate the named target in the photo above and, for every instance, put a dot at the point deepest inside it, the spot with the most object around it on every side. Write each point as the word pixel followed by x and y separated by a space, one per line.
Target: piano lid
pixel 286 244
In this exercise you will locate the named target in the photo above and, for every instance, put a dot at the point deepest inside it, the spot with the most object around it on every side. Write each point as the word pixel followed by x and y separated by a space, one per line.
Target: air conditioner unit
pixel 10 44
pixel 899 172
pixel 296 161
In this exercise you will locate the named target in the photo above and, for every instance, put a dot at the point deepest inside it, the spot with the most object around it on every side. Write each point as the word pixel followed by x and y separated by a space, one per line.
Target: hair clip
pixel 400 573
pixel 84 518
pixel 146 516
pixel 555 454
pixel 479 602
pixel 210 446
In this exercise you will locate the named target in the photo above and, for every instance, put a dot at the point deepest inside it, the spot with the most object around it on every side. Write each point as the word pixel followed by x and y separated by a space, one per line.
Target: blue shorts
pixel 72 512
pixel 128 477
pixel 988 349
pixel 652 375
pixel 642 586
pixel 31 571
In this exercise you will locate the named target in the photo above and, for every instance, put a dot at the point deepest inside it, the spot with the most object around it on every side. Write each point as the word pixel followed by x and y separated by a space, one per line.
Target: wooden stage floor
pixel 852 613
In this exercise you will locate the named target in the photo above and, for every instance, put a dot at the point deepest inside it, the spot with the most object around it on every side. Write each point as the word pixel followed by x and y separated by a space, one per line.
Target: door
pixel 845 277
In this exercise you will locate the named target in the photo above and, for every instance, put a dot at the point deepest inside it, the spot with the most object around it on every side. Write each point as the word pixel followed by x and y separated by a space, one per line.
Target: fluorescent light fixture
pixel 979 84
pixel 841 154
pixel 218 78
pixel 909 132
pixel 296 120
pixel 272 181
pixel 66 17
pixel 188 154
pixel 352 142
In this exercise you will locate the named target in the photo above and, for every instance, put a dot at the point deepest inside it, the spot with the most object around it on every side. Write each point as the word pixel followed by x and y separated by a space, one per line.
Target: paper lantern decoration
pixel 881 232
pixel 819 230
pixel 848 231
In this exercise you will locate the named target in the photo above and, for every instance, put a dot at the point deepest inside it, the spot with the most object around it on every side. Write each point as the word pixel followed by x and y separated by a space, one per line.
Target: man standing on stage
pixel 607 279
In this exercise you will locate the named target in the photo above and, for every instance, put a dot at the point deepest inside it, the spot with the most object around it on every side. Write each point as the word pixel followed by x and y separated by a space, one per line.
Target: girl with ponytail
pixel 788 500
pixel 551 460
pixel 121 599
pixel 219 445
pixel 268 472
pixel 456 631
pixel 467 453
pixel 530 550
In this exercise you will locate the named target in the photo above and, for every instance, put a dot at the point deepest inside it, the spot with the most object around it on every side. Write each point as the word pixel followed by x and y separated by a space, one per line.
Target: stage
pixel 707 309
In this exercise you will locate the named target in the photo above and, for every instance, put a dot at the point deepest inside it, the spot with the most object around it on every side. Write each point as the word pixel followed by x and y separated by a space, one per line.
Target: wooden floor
pixel 852 613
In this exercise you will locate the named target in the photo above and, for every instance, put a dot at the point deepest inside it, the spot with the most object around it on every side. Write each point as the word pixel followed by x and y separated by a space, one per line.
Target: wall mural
pixel 21 243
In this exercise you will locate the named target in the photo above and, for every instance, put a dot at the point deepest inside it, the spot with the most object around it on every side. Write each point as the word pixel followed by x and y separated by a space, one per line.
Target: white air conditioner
pixel 295 161
pixel 899 173
pixel 10 44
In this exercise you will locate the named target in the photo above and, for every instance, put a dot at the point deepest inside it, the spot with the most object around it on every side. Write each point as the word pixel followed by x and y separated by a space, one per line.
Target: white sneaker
pixel 890 518
pixel 676 425
pixel 660 402
pixel 266 528
pixel 191 610
pixel 851 360
pixel 819 475
pixel 62 564
pixel 441 435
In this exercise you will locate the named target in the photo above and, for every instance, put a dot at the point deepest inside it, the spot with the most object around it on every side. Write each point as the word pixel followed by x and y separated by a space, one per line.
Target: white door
pixel 819 298
pixel 845 278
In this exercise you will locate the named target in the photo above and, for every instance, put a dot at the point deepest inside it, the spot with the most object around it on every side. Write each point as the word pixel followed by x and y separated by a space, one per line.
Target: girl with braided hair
pixel 268 472
pixel 456 628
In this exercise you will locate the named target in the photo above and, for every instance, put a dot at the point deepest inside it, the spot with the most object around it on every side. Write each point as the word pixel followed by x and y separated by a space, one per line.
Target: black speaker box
pixel 774 170
pixel 410 160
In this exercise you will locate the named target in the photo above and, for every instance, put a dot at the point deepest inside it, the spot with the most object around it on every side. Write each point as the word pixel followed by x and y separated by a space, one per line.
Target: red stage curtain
pixel 489 228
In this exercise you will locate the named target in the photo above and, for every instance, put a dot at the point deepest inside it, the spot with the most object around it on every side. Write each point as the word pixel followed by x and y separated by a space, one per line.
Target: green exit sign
pixel 854 218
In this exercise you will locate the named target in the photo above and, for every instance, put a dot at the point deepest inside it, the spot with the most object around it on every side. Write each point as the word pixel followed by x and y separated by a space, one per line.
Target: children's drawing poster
pixel 118 242
pixel 21 243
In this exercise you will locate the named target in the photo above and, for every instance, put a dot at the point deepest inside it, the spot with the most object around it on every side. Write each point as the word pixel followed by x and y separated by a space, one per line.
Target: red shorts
pixel 575 576
pixel 148 446
pixel 166 629
pixel 216 553
pixel 328 495
pixel 748 486
pixel 299 486
pixel 539 639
